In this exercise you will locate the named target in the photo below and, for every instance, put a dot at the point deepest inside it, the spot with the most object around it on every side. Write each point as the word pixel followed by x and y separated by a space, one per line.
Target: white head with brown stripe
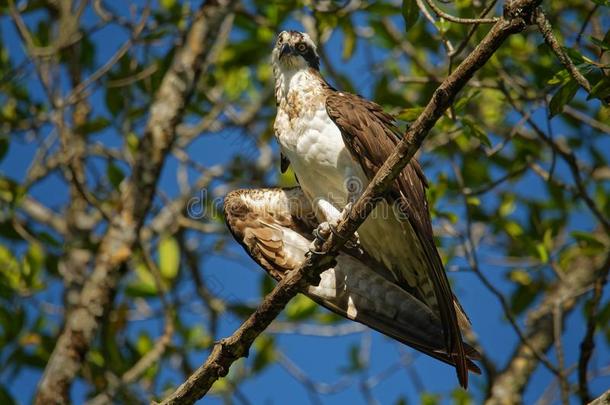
pixel 294 50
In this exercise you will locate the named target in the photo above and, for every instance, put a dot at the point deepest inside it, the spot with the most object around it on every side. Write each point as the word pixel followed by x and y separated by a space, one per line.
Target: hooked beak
pixel 286 50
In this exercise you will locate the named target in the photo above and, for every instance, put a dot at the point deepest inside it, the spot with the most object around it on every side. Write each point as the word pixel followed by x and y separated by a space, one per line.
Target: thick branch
pixel 603 399
pixel 115 248
pixel 517 13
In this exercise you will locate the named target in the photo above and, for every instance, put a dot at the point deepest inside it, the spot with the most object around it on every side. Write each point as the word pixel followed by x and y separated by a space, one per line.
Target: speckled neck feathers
pixel 299 89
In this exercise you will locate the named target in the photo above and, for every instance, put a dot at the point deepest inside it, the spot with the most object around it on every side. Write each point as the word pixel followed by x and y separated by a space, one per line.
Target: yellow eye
pixel 301 47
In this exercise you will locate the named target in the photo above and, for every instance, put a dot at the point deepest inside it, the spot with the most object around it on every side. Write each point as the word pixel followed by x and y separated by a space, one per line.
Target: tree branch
pixel 588 343
pixel 517 14
pixel 115 248
pixel 509 385
pixel 437 10
pixel 547 32
pixel 603 399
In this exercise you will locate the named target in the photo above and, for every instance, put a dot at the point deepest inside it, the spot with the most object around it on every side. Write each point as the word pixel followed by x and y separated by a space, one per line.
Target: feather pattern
pixel 335 141
pixel 371 135
pixel 274 226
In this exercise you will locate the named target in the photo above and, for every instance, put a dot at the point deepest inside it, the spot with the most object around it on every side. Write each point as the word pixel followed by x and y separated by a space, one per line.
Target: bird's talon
pixel 318 235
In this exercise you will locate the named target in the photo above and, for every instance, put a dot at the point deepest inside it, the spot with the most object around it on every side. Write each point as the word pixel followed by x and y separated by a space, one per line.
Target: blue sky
pixel 320 357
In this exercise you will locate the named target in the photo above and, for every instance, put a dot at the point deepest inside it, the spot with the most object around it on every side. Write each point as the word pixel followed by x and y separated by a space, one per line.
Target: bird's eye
pixel 301 47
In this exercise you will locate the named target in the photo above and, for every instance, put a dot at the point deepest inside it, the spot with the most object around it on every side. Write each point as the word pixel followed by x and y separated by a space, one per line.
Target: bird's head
pixel 294 51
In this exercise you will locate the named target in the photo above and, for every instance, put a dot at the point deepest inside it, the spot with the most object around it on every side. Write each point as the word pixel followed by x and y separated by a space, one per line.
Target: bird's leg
pixel 327 211
pixel 354 187
pixel 333 216
pixel 354 241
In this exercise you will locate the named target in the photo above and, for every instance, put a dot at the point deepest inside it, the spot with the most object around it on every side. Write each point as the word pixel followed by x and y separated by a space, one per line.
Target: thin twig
pixel 557 332
pixel 547 32
pixel 586 23
pixel 569 159
pixel 471 32
pixel 588 342
pixel 428 16
pixel 459 20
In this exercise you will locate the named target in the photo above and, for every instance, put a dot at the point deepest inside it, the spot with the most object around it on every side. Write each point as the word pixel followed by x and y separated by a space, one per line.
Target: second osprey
pixel 336 142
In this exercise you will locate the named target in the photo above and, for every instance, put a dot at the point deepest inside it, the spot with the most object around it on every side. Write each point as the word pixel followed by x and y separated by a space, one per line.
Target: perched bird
pixel 336 142
pixel 275 227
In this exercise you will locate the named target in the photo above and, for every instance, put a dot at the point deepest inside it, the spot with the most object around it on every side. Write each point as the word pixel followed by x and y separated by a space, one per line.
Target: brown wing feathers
pixel 258 218
pixel 371 135
pixel 257 234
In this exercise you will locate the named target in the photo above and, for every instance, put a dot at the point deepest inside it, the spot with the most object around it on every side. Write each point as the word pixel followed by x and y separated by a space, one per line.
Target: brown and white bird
pixel 275 227
pixel 336 142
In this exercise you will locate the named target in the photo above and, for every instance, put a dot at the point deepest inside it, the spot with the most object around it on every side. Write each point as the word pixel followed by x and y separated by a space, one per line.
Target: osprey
pixel 336 142
pixel 275 226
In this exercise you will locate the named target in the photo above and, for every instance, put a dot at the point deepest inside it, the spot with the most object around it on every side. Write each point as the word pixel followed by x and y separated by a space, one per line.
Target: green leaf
pixel 410 114
pixel 94 125
pixel 601 90
pixel 605 3
pixel 132 142
pixel 198 338
pixel 461 397
pixel 115 101
pixel 401 401
pixel 33 265
pixel 97 358
pixel 588 240
pixel 266 285
pixel 520 277
pixel 349 43
pixel 144 285
pixel 543 254
pixel 265 352
pixel 144 343
pixel 5 397
pixel 300 307
pixel 4 143
pixel 287 179
pixel 513 229
pixel 563 96
pixel 167 4
pixel 428 398
pixel 471 129
pixel 115 175
pixel 474 201
pixel 561 77
pixel 355 363
pixel 169 257
pixel 602 44
pixel 410 13
pixel 507 206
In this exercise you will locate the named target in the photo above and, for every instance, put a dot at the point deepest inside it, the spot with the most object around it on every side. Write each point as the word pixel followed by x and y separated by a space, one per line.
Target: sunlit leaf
pixel 169 257
pixel 410 13
pixel 265 352
pixel 410 114
pixel 601 90
pixel 349 41
pixel 563 96
pixel 300 307
pixel 115 174
pixel 428 398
